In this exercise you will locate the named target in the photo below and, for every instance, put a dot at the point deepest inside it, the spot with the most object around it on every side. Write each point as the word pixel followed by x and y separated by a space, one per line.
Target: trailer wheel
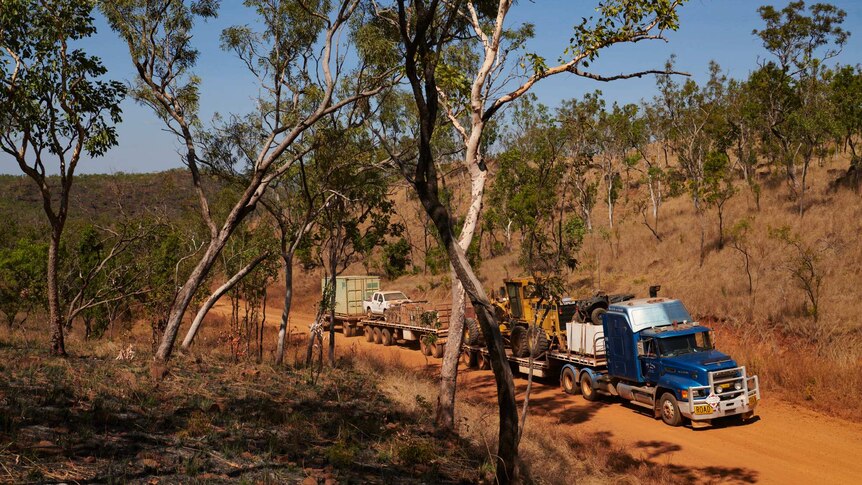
pixel 437 349
pixel 670 410
pixel 587 390
pixel 472 333
pixel 516 340
pixel 424 347
pixel 378 336
pixel 568 381
pixel 347 330
pixel 386 336
pixel 596 315
pixel 369 334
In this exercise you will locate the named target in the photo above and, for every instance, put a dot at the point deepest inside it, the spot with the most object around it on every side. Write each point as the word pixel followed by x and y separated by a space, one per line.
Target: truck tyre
pixel 472 333
pixel 347 330
pixel 536 342
pixel 437 349
pixel 670 410
pixel 517 341
pixel 424 347
pixel 568 381
pixel 378 336
pixel 386 337
pixel 369 334
pixel 587 390
pixel 596 315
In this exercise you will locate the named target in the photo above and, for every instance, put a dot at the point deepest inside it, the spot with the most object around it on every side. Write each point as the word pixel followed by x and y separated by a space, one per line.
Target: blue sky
pixel 709 29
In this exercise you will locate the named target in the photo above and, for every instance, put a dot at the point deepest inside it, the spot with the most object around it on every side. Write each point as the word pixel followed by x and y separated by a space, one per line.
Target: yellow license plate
pixel 752 400
pixel 702 409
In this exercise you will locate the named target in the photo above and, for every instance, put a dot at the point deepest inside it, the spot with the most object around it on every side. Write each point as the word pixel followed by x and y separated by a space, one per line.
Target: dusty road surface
pixel 785 444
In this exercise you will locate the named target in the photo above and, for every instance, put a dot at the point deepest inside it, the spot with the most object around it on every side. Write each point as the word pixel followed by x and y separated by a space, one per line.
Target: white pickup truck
pixel 383 300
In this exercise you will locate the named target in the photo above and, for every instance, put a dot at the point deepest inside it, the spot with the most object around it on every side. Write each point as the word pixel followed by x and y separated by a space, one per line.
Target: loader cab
pixel 515 292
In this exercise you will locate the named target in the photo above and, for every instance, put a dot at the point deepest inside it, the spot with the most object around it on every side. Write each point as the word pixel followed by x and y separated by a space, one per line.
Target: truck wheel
pixel 378 336
pixel 587 390
pixel 386 336
pixel 437 349
pixel 596 315
pixel 670 410
pixel 472 333
pixel 516 339
pixel 347 330
pixel 568 381
pixel 536 342
pixel 369 334
pixel 424 347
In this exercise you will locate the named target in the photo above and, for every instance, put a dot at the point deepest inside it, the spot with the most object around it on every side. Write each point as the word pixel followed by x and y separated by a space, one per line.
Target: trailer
pixel 650 353
pixel 411 322
pixel 350 292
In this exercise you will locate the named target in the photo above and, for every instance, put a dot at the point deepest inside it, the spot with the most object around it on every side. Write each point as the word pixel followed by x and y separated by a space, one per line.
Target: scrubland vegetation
pixel 738 196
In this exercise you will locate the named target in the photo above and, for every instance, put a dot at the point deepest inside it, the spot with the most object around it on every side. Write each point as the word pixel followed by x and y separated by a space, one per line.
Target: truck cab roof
pixel 653 314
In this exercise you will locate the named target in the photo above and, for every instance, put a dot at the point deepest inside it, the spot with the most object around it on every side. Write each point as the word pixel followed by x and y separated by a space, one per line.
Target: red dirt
pixel 785 444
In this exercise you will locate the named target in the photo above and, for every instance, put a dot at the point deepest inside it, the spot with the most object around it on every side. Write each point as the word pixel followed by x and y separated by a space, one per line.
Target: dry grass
pixel 546 457
pixel 771 330
pixel 93 418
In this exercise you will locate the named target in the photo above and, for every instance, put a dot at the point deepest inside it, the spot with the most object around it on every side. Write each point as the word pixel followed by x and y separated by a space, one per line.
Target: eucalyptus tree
pixel 791 88
pixel 579 120
pixel 742 116
pixel 54 107
pixel 425 29
pixel 845 93
pixel 297 56
pixel 691 112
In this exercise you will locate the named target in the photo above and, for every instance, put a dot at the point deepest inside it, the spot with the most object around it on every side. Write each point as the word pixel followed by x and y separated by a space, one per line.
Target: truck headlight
pixel 718 389
pixel 738 386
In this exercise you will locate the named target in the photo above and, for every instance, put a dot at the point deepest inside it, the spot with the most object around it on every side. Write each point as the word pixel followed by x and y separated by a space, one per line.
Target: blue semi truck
pixel 650 352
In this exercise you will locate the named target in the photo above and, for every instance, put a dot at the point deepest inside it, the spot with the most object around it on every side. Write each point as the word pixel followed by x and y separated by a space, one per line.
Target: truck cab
pixel 656 355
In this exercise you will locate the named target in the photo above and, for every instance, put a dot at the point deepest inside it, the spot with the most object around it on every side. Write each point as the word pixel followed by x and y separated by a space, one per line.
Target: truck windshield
pixel 394 296
pixel 684 344
pixel 663 314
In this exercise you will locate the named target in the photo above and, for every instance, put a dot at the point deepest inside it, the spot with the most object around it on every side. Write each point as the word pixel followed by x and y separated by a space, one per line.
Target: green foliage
pixel 396 258
pixel 802 264
pixel 40 104
pixel 622 21
pixel 22 279
pixel 436 259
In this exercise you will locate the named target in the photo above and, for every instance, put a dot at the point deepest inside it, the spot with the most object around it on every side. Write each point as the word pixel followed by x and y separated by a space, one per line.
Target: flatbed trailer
pixel 406 325
pixel 546 365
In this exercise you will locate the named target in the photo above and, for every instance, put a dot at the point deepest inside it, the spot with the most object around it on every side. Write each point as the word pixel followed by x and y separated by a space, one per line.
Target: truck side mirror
pixel 653 291
pixel 641 348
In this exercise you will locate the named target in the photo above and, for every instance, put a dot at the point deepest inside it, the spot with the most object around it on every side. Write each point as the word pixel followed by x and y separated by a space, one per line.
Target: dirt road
pixel 786 444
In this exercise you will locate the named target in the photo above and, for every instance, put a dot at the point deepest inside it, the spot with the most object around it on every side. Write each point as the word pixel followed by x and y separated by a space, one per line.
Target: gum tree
pixel 297 57
pixel 55 108
pixel 424 29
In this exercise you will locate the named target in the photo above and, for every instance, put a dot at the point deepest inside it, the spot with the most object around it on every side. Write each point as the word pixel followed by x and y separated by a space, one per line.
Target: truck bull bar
pixel 730 392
